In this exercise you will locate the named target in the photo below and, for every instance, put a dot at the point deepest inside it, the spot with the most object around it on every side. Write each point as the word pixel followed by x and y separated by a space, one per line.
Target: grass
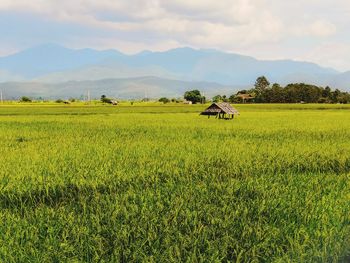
pixel 161 183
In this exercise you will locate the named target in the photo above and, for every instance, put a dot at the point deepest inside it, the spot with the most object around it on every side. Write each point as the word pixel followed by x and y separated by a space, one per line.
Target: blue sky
pixel 313 30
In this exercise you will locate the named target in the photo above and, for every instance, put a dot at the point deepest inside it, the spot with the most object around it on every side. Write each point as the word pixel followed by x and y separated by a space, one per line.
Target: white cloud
pixel 322 28
pixel 234 25
pixel 318 28
pixel 164 17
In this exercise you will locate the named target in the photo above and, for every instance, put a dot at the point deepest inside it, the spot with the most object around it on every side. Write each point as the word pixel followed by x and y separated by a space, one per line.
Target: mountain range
pixel 54 71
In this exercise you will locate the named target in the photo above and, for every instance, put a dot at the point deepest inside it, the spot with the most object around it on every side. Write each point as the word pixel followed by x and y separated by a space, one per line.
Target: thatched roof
pixel 222 107
pixel 245 96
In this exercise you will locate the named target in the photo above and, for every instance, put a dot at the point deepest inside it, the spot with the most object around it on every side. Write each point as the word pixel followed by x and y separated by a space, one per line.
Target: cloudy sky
pixel 312 30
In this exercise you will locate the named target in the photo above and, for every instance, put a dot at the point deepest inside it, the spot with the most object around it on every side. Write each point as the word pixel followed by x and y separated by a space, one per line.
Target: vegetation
pixel 104 99
pixel 194 96
pixel 126 184
pixel 25 99
pixel 261 84
pixel 164 100
pixel 300 92
pixel 219 98
pixel 292 93
pixel 176 100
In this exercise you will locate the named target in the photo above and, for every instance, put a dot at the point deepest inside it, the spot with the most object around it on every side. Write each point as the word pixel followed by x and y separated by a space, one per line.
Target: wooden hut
pixel 222 110
pixel 245 97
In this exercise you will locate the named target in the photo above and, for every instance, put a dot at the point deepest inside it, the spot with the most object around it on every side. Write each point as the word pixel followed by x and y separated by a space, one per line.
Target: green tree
pixel 217 98
pixel 326 93
pixel 293 93
pixel 234 99
pixel 277 94
pixel 164 100
pixel 104 99
pixel 335 96
pixel 194 96
pixel 25 99
pixel 261 83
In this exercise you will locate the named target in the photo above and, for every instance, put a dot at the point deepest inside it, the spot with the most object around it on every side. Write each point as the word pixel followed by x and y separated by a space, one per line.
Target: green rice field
pixel 154 183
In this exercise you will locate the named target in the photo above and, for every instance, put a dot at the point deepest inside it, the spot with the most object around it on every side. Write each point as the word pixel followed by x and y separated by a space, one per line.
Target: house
pixel 223 110
pixel 245 97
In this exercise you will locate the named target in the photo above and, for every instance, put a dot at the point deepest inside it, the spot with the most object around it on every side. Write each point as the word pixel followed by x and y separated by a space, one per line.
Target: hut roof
pixel 245 96
pixel 222 107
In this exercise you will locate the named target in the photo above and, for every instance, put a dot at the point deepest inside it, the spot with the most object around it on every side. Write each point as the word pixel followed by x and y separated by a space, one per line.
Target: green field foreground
pixel 163 184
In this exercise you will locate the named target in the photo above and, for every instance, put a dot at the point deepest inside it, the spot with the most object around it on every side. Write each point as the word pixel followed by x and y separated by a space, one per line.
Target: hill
pixel 53 64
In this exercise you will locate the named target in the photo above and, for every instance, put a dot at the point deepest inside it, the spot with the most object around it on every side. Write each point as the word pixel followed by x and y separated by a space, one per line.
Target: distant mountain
pixel 110 70
pixel 49 58
pixel 341 80
pixel 7 76
pixel 54 64
pixel 152 87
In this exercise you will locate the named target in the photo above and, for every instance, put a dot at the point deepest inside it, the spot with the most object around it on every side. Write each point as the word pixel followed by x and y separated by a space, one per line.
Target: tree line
pixel 263 92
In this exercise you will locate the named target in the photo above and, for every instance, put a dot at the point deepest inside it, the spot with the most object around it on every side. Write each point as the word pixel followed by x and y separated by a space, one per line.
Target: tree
pixel 234 99
pixel 261 83
pixel 292 93
pixel 25 99
pixel 194 96
pixel 216 98
pixel 334 96
pixel 326 93
pixel 175 100
pixel 104 99
pixel 276 94
pixel 164 100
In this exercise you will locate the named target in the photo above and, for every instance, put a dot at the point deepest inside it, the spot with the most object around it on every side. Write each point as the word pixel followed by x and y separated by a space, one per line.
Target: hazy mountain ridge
pixel 49 58
pixel 51 65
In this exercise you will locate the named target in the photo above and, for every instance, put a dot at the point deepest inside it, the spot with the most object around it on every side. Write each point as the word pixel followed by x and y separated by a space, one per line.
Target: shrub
pixel 25 99
pixel 104 99
pixel 164 100
pixel 194 96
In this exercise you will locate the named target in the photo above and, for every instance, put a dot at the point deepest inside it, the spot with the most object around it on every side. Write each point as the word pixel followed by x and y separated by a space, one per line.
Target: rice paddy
pixel 162 184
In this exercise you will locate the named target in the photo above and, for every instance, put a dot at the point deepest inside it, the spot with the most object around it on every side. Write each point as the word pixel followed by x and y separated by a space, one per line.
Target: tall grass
pixel 161 183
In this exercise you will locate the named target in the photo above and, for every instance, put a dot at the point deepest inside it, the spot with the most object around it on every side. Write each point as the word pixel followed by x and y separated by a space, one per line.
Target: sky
pixel 312 30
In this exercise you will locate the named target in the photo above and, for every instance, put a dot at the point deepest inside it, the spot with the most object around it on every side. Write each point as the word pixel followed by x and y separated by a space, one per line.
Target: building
pixel 245 97
pixel 222 110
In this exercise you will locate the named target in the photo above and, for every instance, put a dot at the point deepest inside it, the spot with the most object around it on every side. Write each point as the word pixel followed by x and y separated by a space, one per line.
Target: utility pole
pixel 1 98
pixel 88 96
